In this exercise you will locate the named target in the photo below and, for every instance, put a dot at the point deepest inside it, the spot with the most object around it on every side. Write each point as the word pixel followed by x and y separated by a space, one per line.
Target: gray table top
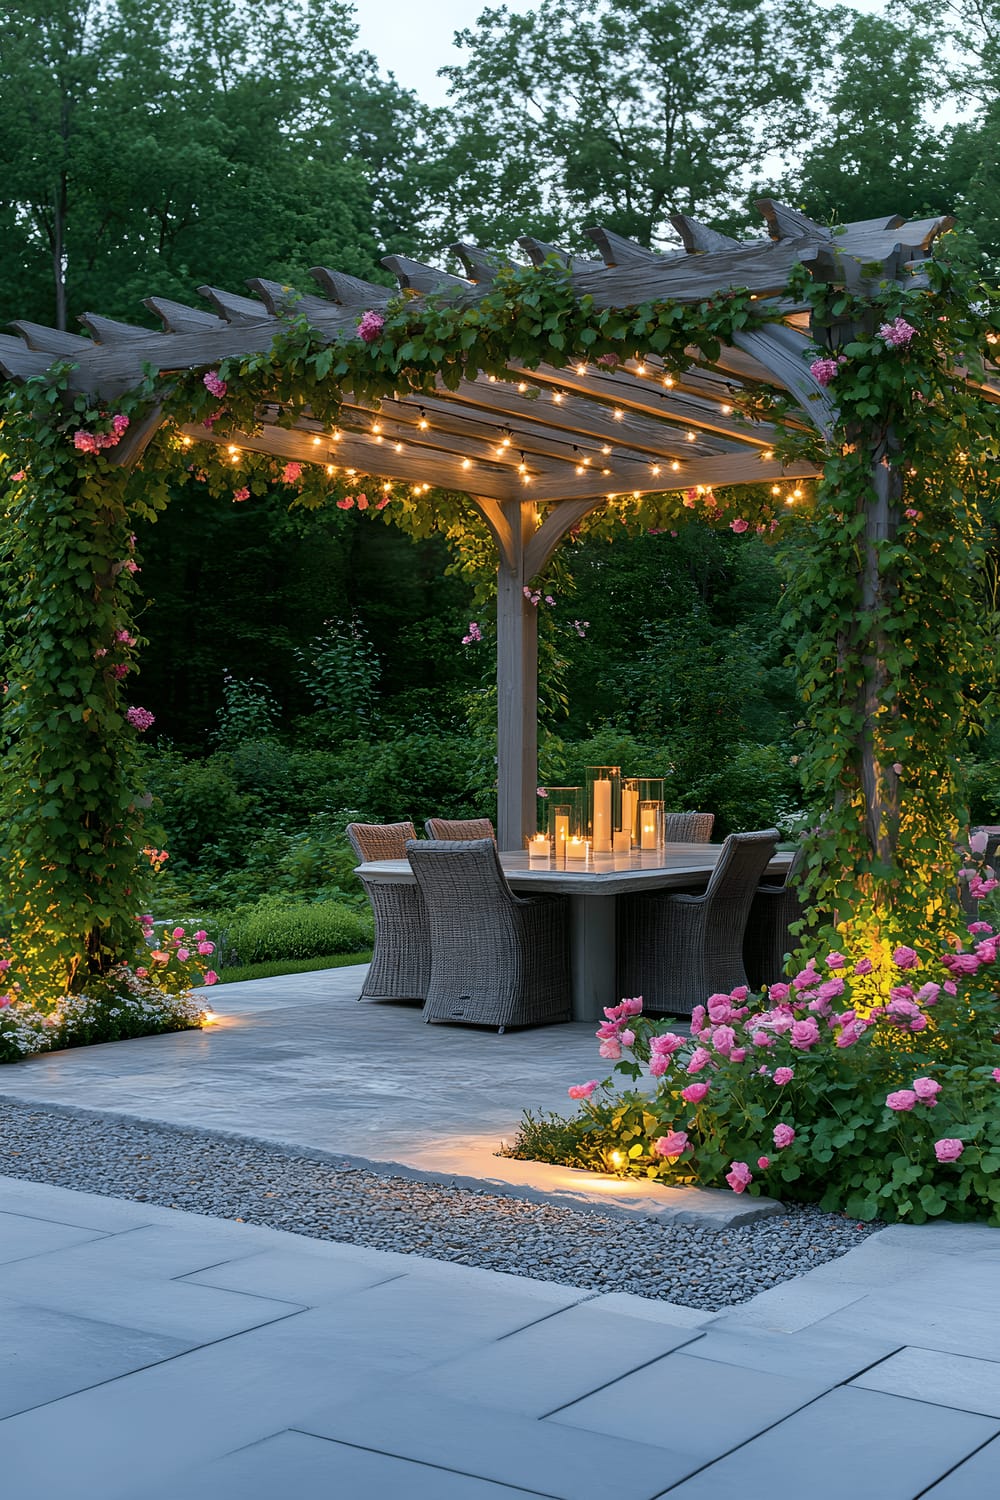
pixel 675 866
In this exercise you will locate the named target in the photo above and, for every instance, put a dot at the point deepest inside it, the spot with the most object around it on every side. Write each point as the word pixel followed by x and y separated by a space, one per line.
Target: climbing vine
pixel 883 677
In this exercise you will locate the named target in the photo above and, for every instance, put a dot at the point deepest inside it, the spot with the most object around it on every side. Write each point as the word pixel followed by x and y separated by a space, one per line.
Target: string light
pixel 581 369
pixel 330 469
pixel 675 466
pixel 522 387
pixel 466 463
pixel 316 442
pixel 399 447
pixel 605 472
pixel 187 441
pixel 580 469
pixel 618 414
pixel 557 397
pixel 640 369
pixel 726 410
pixel 776 489
pixel 336 435
pixel 423 424
pixel 606 449
pixel 656 470
pixel 690 436
pixel 522 467
pixel 376 427
pixel 668 381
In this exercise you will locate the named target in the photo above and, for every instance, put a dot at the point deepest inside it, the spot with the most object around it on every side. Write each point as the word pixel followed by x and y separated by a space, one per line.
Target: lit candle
pixel 622 841
pixel 538 847
pixel 576 848
pixel 647 827
pixel 629 799
pixel 602 817
pixel 562 832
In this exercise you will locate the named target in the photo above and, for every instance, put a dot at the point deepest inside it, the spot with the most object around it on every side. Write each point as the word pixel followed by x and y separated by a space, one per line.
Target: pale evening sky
pixel 414 40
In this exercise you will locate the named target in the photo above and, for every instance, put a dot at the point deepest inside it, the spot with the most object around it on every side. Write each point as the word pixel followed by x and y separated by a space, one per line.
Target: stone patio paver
pixel 380 1376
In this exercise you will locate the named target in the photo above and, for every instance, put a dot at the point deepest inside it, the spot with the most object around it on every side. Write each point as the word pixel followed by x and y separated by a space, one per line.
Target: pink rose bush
pixel 144 998
pixel 868 1083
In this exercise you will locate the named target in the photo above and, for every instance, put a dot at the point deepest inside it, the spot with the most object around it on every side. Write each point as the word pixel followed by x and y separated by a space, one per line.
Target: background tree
pixel 625 111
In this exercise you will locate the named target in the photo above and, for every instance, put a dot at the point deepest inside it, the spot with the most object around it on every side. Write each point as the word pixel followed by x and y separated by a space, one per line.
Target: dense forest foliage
pixel 304 668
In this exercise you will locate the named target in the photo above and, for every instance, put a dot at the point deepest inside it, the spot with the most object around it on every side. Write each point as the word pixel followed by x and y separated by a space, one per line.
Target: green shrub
pixel 754 789
pixel 277 928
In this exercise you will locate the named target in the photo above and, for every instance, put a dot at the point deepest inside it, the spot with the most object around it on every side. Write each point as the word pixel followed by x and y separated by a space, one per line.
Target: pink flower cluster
pixel 177 945
pixel 370 326
pixel 897 334
pixel 474 634
pixel 825 371
pixel 215 384
pixel 140 718
pixel 608 361
pixel 535 596
pixel 93 442
pixel 581 627
pixel 291 473
pixel 924 1091
pixel 348 502
pixel 241 494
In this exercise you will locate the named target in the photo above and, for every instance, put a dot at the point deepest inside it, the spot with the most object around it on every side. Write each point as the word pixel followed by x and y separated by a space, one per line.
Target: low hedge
pixel 276 929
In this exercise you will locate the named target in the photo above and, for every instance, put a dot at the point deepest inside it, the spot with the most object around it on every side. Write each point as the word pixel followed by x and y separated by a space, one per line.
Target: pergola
pixel 569 437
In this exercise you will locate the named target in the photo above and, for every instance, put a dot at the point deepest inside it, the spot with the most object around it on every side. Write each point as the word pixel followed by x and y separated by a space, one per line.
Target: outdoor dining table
pixel 591 888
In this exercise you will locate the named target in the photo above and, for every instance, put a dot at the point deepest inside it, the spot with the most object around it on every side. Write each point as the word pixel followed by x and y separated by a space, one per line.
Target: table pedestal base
pixel 592 955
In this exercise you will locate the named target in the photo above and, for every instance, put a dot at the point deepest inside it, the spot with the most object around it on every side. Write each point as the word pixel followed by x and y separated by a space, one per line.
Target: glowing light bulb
pixel 618 414
pixel 640 369
pixel 581 369
pixel 606 449
pixel 316 442
pixel 521 387
pixel 726 410
pixel 690 436
pixel 675 466
pixel 656 470
pixel 423 424
pixel 466 463
pixel 668 381
pixel 776 489
pixel 580 469
pixel 399 447
pixel 557 397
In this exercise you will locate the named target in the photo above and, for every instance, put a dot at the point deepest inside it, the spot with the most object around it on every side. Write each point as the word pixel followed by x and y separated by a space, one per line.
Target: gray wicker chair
pixel 675 949
pixel 688 828
pixel 496 959
pixel 401 957
pixel 459 828
pixel 767 940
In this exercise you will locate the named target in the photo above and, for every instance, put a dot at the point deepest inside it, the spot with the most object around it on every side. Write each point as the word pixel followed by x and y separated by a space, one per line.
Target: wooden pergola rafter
pixel 570 437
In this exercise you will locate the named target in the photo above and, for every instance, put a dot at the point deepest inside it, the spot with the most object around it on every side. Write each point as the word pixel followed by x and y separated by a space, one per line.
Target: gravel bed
pixel 233 1177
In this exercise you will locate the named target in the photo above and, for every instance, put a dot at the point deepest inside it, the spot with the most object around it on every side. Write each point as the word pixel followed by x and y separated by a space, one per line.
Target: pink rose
pixel 673 1144
pixel 835 961
pixel 928 993
pixel 582 1090
pixel 667 1043
pixel 370 326
pixel 805 1034
pixel 996 1075
pixel 738 1054
pixel 659 1064
pixel 241 494
pixel 823 371
pixel 205 948
pixel 120 423
pixel 784 1135
pixel 739 1176
pixel 695 1092
pixel 948 1149
pixel 739 525
pixel 723 1040
pixel 863 966
pixel 210 977
pixel 214 384
pixel 763 1162
pixel 291 472
pixel 979 841
pixel 697 1018
pixel 183 954
pixel 142 973
pixel 960 963
pixel 627 1038
pixel 610 1049
pixel 783 1076
pixel 902 1099
pixel 699 1059
pixel 632 1007
pixel 926 1090
pixel 777 993
pixel 905 958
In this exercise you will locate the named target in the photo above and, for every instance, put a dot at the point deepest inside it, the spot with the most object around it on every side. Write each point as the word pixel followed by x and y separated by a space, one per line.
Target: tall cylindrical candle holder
pixel 564 806
pixel 630 808
pixel 649 792
pixel 604 784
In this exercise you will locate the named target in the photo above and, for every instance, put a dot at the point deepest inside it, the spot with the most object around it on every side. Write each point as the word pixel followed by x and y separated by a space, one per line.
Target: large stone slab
pixel 311 1468
pixel 22 1236
pixel 862 1444
pixel 45 1355
pixel 946 1379
pixel 556 1361
pixel 978 1478
pixel 692 1406
pixel 565 1463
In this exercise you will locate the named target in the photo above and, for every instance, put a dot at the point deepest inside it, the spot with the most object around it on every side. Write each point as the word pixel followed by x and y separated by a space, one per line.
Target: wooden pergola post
pixel 517 685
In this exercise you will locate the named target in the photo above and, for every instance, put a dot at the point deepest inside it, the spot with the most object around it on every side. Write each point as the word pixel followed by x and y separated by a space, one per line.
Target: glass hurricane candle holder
pixel 604 785
pixel 564 806
pixel 649 811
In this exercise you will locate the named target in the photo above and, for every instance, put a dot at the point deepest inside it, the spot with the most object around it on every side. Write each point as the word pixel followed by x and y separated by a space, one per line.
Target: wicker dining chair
pixel 675 949
pixel 496 959
pixel 768 940
pixel 688 828
pixel 400 968
pixel 459 828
